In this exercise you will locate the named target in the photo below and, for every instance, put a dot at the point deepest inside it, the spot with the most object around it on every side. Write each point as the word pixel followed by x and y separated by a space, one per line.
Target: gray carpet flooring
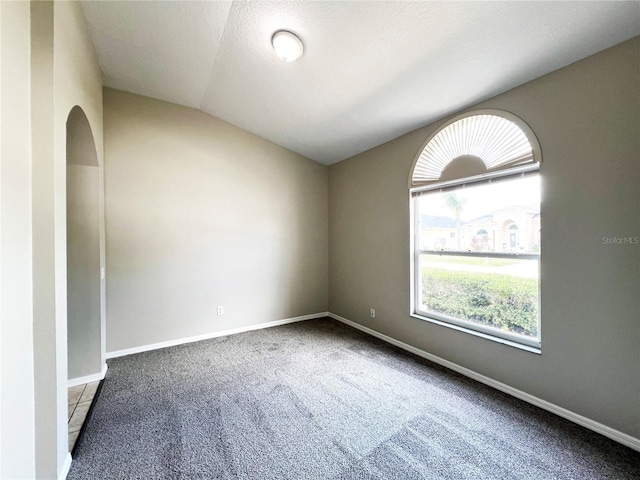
pixel 320 400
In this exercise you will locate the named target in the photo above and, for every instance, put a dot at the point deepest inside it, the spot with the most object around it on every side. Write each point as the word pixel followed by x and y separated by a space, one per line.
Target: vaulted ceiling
pixel 371 71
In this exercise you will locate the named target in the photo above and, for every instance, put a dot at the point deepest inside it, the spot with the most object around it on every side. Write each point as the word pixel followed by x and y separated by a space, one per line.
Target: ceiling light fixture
pixel 287 45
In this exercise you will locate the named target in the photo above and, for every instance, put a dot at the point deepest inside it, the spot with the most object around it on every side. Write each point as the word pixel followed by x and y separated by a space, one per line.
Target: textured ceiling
pixel 371 71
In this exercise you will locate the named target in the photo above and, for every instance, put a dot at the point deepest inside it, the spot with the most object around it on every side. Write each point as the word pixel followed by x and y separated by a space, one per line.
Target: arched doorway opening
pixel 84 275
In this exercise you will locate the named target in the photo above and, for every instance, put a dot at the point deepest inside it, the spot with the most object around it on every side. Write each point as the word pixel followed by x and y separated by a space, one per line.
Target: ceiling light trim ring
pixel 287 45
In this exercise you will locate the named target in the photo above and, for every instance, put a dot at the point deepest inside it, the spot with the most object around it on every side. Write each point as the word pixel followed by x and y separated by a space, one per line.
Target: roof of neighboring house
pixel 434 221
pixel 518 209
pixel 484 220
pixel 511 209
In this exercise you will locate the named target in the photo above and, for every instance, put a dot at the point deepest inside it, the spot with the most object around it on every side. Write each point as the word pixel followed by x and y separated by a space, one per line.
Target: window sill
pixel 486 336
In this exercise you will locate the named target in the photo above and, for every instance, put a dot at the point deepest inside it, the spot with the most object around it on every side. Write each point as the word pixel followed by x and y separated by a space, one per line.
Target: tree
pixel 456 204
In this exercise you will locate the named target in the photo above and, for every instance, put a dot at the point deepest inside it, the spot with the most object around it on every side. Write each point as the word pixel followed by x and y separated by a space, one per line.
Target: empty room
pixel 319 240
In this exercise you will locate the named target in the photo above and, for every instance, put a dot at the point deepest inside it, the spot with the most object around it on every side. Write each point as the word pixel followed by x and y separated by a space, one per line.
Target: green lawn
pixel 501 301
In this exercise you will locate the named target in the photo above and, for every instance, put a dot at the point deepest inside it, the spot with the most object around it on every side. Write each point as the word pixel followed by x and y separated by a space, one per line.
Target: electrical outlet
pixel 373 313
pixel 220 310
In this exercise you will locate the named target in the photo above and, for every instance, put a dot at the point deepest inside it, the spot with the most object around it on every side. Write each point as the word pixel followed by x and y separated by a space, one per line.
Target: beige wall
pixel 48 66
pixel 17 434
pixel 83 271
pixel 586 117
pixel 65 73
pixel 202 214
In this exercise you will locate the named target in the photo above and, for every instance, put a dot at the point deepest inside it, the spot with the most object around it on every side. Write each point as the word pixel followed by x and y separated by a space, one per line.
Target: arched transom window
pixel 476 174
pixel 472 144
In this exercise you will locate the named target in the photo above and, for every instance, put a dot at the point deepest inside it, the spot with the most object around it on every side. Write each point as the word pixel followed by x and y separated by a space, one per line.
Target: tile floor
pixel 80 398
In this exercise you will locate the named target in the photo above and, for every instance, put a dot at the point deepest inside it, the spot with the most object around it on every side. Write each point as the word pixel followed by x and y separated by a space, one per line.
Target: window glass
pixel 500 216
pixel 478 256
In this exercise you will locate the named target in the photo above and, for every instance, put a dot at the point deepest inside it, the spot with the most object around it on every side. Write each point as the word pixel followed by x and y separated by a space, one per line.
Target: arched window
pixel 478 173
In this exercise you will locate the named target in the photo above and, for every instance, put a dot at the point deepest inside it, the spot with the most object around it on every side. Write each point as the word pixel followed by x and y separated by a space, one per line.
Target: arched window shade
pixel 479 142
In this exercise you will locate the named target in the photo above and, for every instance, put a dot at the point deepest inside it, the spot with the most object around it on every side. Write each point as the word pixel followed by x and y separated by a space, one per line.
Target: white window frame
pixel 509 338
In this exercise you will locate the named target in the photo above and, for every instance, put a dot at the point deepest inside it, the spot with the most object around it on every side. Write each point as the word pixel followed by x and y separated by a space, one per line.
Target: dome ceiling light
pixel 287 45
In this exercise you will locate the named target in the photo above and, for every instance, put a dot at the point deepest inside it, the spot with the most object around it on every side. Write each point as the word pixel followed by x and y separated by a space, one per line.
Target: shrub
pixel 501 301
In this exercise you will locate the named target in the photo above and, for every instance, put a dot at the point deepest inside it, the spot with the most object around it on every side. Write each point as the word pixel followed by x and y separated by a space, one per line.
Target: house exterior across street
pixel 513 229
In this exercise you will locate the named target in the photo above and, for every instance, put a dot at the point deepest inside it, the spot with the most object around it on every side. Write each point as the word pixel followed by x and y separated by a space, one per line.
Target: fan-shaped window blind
pixel 499 139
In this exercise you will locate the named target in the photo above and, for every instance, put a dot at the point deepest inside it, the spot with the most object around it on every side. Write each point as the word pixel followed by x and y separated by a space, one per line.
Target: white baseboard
pixel 72 382
pixel 65 467
pixel 618 436
pixel 207 336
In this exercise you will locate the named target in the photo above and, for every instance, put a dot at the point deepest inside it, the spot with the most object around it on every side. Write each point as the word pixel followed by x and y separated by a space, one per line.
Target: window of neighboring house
pixel 475 185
